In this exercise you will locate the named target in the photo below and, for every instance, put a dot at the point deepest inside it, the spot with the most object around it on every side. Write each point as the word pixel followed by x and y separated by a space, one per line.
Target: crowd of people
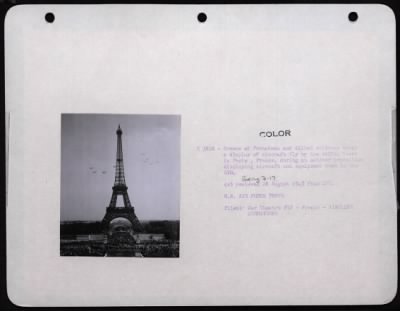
pixel 82 248
pixel 160 250
pixel 120 244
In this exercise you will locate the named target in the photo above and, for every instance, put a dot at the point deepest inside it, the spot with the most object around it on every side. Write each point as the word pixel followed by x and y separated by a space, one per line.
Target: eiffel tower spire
pixel 119 166
pixel 120 189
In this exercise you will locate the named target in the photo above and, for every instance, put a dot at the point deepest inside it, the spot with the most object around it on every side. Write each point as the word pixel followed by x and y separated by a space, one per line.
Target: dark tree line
pixel 71 228
pixel 168 227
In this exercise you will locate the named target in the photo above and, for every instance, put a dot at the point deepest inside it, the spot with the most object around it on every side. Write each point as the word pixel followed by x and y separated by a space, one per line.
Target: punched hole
pixel 49 17
pixel 353 16
pixel 202 17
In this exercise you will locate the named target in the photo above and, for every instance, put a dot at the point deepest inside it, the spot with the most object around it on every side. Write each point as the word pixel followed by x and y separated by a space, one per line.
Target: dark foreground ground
pixel 96 248
pixel 87 239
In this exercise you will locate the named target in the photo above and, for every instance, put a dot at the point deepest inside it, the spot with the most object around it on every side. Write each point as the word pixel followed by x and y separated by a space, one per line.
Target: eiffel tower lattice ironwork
pixel 120 189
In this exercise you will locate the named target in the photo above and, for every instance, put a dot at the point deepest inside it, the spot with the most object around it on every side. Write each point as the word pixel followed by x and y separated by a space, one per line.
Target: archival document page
pixel 272 128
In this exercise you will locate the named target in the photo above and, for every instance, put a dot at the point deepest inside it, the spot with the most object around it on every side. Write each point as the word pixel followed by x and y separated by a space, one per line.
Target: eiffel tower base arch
pixel 127 213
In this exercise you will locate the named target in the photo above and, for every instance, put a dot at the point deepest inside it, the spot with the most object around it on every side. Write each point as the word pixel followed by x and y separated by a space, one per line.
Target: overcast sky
pixel 151 149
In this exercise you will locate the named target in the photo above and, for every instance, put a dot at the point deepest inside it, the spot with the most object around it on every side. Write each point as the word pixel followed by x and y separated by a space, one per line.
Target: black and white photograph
pixel 120 185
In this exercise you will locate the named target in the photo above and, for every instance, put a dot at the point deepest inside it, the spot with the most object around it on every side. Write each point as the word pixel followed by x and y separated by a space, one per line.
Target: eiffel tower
pixel 127 211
